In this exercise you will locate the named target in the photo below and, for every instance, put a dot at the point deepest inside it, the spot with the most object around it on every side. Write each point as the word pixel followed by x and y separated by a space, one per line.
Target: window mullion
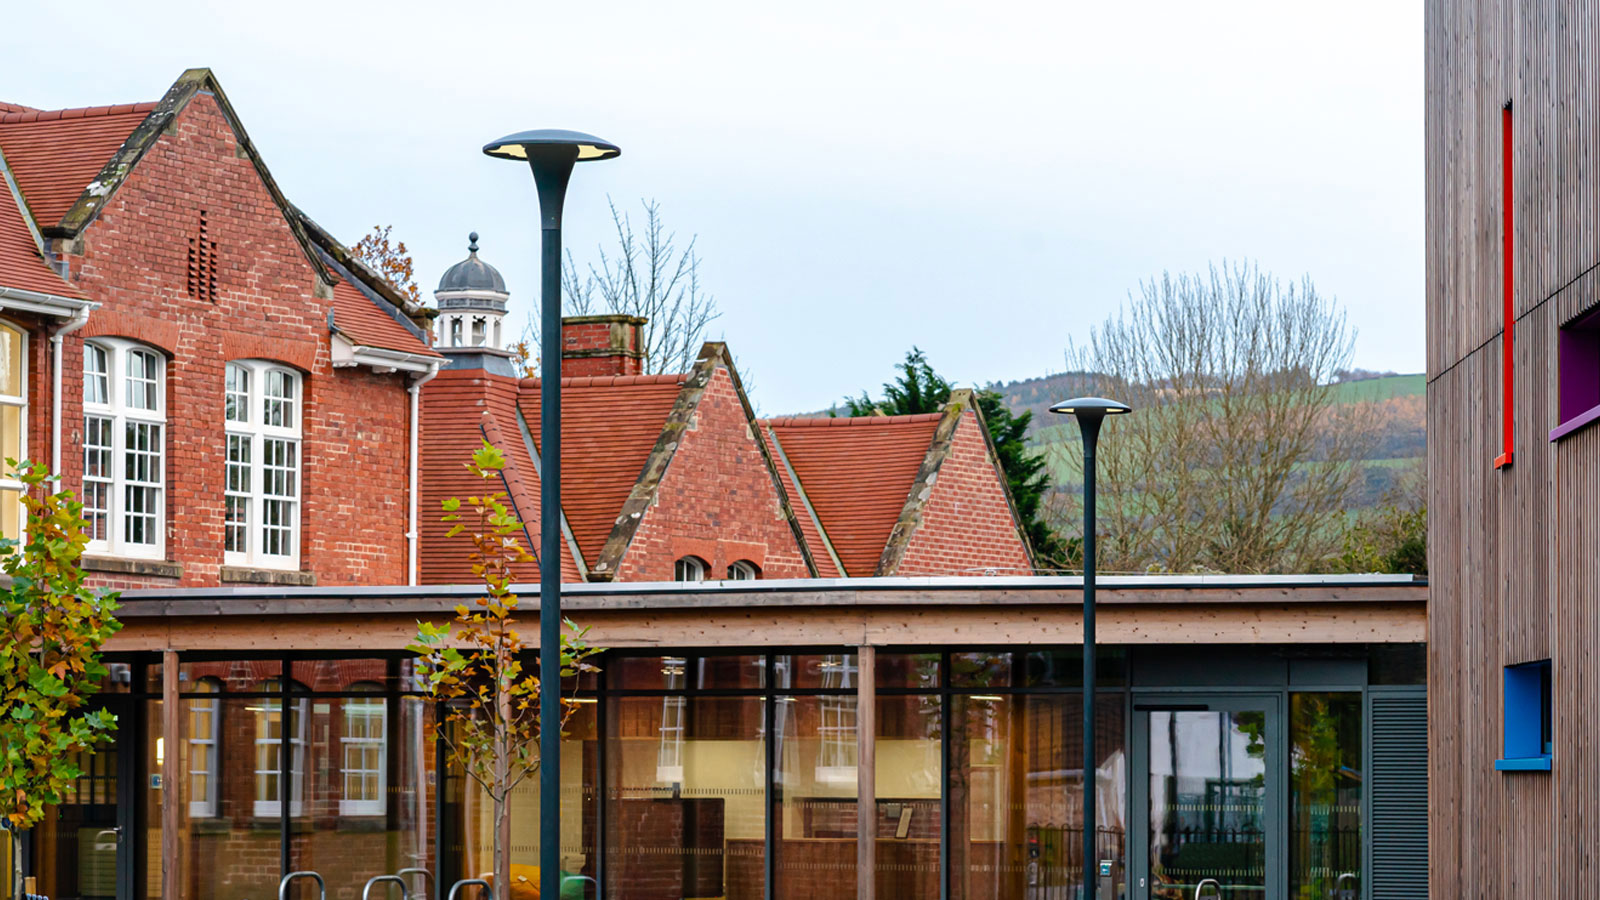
pixel 257 537
pixel 119 465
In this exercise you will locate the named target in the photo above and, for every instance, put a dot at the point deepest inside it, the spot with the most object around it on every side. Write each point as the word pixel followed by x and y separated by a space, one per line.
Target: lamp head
pixel 1096 407
pixel 523 144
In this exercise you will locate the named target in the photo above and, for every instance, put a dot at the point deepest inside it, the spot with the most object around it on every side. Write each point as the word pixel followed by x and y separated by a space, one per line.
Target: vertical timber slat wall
pixel 1512 553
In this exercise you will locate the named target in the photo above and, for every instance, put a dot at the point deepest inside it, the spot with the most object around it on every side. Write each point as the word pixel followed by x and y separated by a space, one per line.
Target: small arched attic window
pixel 689 568
pixel 743 570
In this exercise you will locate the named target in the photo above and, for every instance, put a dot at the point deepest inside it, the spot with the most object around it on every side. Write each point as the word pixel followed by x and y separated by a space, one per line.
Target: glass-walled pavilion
pixel 1235 756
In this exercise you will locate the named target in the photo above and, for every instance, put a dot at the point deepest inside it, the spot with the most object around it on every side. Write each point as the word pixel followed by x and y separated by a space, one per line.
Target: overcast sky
pixel 982 179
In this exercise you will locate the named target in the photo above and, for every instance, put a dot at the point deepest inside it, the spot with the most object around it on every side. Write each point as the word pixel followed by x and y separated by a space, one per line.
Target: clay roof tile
pixel 55 154
pixel 857 472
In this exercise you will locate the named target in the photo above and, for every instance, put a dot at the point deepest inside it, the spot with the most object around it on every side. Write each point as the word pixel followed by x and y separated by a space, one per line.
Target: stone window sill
pixel 127 565
pixel 281 577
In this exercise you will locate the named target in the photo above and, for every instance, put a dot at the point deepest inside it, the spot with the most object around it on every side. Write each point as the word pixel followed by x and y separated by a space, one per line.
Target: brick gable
pixel 268 301
pixel 716 499
pixel 966 524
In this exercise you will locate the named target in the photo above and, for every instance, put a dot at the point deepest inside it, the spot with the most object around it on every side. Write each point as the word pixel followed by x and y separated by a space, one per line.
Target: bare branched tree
pixel 645 274
pixel 1238 457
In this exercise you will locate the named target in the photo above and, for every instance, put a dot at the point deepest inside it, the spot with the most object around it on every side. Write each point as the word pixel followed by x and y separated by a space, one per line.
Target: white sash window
pixel 13 426
pixel 124 450
pixel 261 516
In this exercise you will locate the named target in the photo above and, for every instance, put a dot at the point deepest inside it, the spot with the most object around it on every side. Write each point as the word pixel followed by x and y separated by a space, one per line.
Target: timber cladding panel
pixel 1513 553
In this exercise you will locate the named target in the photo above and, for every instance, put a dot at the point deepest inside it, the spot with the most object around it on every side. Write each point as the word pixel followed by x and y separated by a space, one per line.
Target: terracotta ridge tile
pixel 81 112
pixel 612 380
pixel 847 421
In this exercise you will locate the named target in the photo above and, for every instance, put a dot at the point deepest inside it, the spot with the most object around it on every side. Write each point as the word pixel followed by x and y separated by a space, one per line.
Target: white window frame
pixel 122 416
pixel 8 481
pixel 255 437
pixel 743 570
pixel 372 707
pixel 689 568
pixel 203 748
pixel 300 708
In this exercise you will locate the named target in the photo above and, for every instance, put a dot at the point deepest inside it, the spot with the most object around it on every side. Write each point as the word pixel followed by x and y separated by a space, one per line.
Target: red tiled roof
pixel 15 107
pixel 360 319
pixel 54 154
pixel 857 473
pixel 21 266
pixel 456 407
pixel 609 425
pixel 808 524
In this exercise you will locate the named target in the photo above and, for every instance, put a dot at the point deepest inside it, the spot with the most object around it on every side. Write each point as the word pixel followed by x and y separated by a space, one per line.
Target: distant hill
pixel 1400 399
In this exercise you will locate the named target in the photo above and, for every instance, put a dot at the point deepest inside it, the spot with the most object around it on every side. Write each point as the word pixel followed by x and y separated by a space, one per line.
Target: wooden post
pixel 866 773
pixel 170 724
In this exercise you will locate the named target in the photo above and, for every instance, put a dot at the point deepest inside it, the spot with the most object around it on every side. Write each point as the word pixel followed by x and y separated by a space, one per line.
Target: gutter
pixel 76 312
pixel 392 360
pixel 411 532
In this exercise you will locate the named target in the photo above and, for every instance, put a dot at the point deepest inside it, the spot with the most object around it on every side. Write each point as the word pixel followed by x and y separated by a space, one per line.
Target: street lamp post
pixel 1090 413
pixel 551 154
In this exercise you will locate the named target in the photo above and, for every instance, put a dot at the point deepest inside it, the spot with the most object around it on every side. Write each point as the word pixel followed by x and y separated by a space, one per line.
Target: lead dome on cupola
pixel 472 302
pixel 472 273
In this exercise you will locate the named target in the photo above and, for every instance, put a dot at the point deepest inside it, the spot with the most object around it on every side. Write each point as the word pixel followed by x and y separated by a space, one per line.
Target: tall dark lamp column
pixel 1090 413
pixel 551 153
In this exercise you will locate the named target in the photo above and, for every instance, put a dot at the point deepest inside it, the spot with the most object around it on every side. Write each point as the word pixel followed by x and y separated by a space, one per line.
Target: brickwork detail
pixel 134 258
pixel 967 527
pixel 717 497
pixel 602 345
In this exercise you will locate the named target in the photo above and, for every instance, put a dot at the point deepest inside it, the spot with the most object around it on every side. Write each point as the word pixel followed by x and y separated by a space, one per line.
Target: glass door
pixel 79 848
pixel 1207 799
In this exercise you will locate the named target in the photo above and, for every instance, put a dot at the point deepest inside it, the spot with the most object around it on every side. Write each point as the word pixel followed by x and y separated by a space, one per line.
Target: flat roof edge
pixel 810 592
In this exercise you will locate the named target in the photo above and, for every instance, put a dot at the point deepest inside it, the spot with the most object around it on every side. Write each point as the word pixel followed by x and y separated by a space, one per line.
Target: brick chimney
pixel 602 345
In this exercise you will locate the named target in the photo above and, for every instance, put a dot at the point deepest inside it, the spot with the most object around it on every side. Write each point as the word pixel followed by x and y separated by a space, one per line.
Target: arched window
pixel 270 728
pixel 363 751
pixel 124 458
pixel 13 425
pixel 205 729
pixel 689 568
pixel 743 570
pixel 261 491
pixel 455 331
pixel 478 330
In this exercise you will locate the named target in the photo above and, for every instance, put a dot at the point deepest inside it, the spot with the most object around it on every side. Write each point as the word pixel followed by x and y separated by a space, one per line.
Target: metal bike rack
pixel 466 881
pixel 1202 886
pixel 283 886
pixel 405 892
pixel 1343 893
pixel 427 879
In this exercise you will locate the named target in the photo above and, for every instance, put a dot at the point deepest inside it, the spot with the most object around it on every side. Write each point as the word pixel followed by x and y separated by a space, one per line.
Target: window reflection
pixel 1326 775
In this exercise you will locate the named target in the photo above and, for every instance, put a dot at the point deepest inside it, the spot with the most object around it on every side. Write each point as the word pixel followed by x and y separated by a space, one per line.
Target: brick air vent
pixel 202 263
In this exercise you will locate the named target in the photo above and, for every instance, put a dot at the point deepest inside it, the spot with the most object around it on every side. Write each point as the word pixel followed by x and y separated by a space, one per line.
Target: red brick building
pixel 672 478
pixel 187 349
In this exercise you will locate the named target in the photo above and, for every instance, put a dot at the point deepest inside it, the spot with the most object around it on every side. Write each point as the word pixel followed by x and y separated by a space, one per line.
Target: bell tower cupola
pixel 472 306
